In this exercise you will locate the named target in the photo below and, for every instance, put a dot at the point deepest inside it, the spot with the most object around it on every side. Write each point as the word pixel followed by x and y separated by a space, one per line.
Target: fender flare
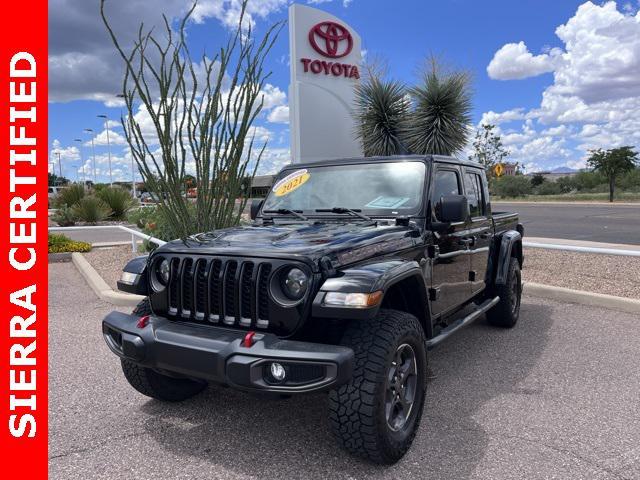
pixel 510 243
pixel 367 278
pixel 140 285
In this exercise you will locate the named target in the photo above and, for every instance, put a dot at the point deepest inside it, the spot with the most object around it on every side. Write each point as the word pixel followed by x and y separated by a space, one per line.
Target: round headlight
pixel 294 284
pixel 163 272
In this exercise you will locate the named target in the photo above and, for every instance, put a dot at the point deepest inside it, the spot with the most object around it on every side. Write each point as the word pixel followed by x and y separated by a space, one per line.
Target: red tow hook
pixel 248 340
pixel 143 322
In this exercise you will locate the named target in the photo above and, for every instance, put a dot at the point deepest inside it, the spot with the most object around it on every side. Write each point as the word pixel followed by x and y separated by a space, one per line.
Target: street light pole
pixel 133 170
pixel 93 151
pixel 106 127
pixel 59 163
pixel 84 178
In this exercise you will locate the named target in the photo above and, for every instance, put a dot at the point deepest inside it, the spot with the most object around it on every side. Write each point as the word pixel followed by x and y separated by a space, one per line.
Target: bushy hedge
pixel 69 196
pixel 511 186
pixel 74 205
pixel 118 200
pixel 91 210
pixel 59 243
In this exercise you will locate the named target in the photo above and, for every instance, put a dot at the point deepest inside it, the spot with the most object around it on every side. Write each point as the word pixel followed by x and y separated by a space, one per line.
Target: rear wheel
pixel 154 384
pixel 376 415
pixel 506 312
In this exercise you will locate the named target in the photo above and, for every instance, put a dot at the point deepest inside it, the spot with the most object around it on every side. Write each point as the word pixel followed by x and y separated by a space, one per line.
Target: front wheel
pixel 376 415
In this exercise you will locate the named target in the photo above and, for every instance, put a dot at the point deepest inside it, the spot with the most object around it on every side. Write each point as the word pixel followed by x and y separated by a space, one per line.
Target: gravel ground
pixel 608 274
pixel 108 262
pixel 554 397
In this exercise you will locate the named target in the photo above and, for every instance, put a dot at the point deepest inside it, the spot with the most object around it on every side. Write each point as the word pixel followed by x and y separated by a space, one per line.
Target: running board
pixel 462 322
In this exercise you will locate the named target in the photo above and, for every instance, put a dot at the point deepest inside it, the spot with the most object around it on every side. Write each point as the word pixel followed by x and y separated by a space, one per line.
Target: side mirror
pixel 453 208
pixel 256 205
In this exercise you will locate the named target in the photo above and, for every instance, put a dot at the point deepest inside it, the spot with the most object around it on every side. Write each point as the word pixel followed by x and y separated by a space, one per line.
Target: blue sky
pixel 553 96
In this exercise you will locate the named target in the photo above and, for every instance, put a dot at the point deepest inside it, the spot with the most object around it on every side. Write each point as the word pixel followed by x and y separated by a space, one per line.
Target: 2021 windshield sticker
pixel 292 181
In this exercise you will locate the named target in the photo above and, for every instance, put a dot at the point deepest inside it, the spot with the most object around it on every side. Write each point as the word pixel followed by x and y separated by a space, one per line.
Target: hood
pixel 343 242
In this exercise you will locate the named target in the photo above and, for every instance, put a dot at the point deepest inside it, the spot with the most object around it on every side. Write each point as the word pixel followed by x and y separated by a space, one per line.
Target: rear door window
pixel 474 194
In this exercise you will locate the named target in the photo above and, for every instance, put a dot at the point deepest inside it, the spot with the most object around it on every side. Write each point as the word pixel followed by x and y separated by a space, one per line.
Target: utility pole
pixel 106 127
pixel 93 152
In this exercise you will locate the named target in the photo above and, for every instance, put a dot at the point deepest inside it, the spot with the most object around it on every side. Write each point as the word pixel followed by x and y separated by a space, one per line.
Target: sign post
pixel 325 69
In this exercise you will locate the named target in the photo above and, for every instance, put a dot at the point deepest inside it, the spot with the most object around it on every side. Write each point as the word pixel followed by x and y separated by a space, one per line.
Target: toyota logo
pixel 331 39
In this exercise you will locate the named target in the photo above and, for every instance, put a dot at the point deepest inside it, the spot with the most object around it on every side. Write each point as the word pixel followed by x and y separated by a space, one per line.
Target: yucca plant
pixel 118 200
pixel 69 196
pixel 431 118
pixel 381 110
pixel 441 115
pixel 91 210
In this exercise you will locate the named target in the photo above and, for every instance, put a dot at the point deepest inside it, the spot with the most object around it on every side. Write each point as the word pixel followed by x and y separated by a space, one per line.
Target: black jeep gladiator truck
pixel 350 271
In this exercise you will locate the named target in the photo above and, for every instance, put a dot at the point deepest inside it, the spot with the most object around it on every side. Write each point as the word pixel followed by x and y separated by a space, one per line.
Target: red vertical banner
pixel 23 239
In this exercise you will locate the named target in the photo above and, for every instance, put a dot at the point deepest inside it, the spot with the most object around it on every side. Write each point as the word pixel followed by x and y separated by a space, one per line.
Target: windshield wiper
pixel 350 211
pixel 287 211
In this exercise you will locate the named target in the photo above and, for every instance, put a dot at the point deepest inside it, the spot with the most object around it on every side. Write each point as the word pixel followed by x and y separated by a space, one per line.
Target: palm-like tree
pixel 430 118
pixel 381 109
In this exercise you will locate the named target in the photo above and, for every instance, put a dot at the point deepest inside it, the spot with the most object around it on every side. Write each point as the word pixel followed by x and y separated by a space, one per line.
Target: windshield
pixel 391 188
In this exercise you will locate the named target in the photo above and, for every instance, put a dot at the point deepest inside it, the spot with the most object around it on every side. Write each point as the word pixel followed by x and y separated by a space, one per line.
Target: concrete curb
pixel 107 294
pixel 568 295
pixel 100 287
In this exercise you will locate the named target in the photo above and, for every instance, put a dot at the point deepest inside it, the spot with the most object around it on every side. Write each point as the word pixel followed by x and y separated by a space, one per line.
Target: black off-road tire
pixel 154 384
pixel 357 410
pixel 506 312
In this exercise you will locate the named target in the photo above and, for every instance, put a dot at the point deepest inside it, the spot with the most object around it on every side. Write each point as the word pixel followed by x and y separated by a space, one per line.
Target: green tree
pixel 202 112
pixel 537 180
pixel 612 163
pixel 488 149
pixel 55 180
pixel 511 186
pixel 429 118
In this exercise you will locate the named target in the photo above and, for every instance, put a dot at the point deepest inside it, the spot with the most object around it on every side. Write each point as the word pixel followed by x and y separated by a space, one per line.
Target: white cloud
pixel 515 61
pixel 83 63
pixel 594 100
pixel 272 96
pixel 280 114
pixel 114 139
pixel 493 118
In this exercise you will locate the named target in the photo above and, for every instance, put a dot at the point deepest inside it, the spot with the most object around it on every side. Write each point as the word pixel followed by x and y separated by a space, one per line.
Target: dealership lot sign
pixel 325 68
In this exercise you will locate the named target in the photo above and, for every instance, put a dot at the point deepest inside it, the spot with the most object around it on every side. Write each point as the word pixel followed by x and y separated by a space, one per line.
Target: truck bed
pixel 503 221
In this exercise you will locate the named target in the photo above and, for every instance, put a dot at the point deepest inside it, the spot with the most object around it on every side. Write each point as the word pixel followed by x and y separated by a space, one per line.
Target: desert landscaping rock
pixel 608 274
pixel 109 261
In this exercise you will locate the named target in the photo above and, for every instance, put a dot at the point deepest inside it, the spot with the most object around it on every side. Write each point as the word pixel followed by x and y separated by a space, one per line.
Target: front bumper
pixel 218 355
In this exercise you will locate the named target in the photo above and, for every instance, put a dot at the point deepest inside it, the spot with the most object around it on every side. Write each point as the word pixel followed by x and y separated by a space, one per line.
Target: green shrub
pixel 69 196
pixel 511 186
pixel 118 200
pixel 548 188
pixel 91 210
pixel 59 243
pixel 64 217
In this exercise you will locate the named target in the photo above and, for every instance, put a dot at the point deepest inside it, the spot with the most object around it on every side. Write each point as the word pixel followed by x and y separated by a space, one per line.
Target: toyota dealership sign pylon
pixel 325 67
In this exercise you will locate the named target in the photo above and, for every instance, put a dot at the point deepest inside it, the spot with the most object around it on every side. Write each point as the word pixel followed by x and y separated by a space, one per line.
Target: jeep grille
pixel 219 290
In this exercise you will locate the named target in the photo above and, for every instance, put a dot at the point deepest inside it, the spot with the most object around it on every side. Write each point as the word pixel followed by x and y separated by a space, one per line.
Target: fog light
pixel 277 372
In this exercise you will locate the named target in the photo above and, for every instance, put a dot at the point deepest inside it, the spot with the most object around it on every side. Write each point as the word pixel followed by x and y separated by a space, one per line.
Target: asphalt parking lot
pixel 556 397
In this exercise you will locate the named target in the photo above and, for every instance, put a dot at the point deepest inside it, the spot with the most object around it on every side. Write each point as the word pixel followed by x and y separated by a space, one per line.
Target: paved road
pixel 556 397
pixel 99 235
pixel 596 223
